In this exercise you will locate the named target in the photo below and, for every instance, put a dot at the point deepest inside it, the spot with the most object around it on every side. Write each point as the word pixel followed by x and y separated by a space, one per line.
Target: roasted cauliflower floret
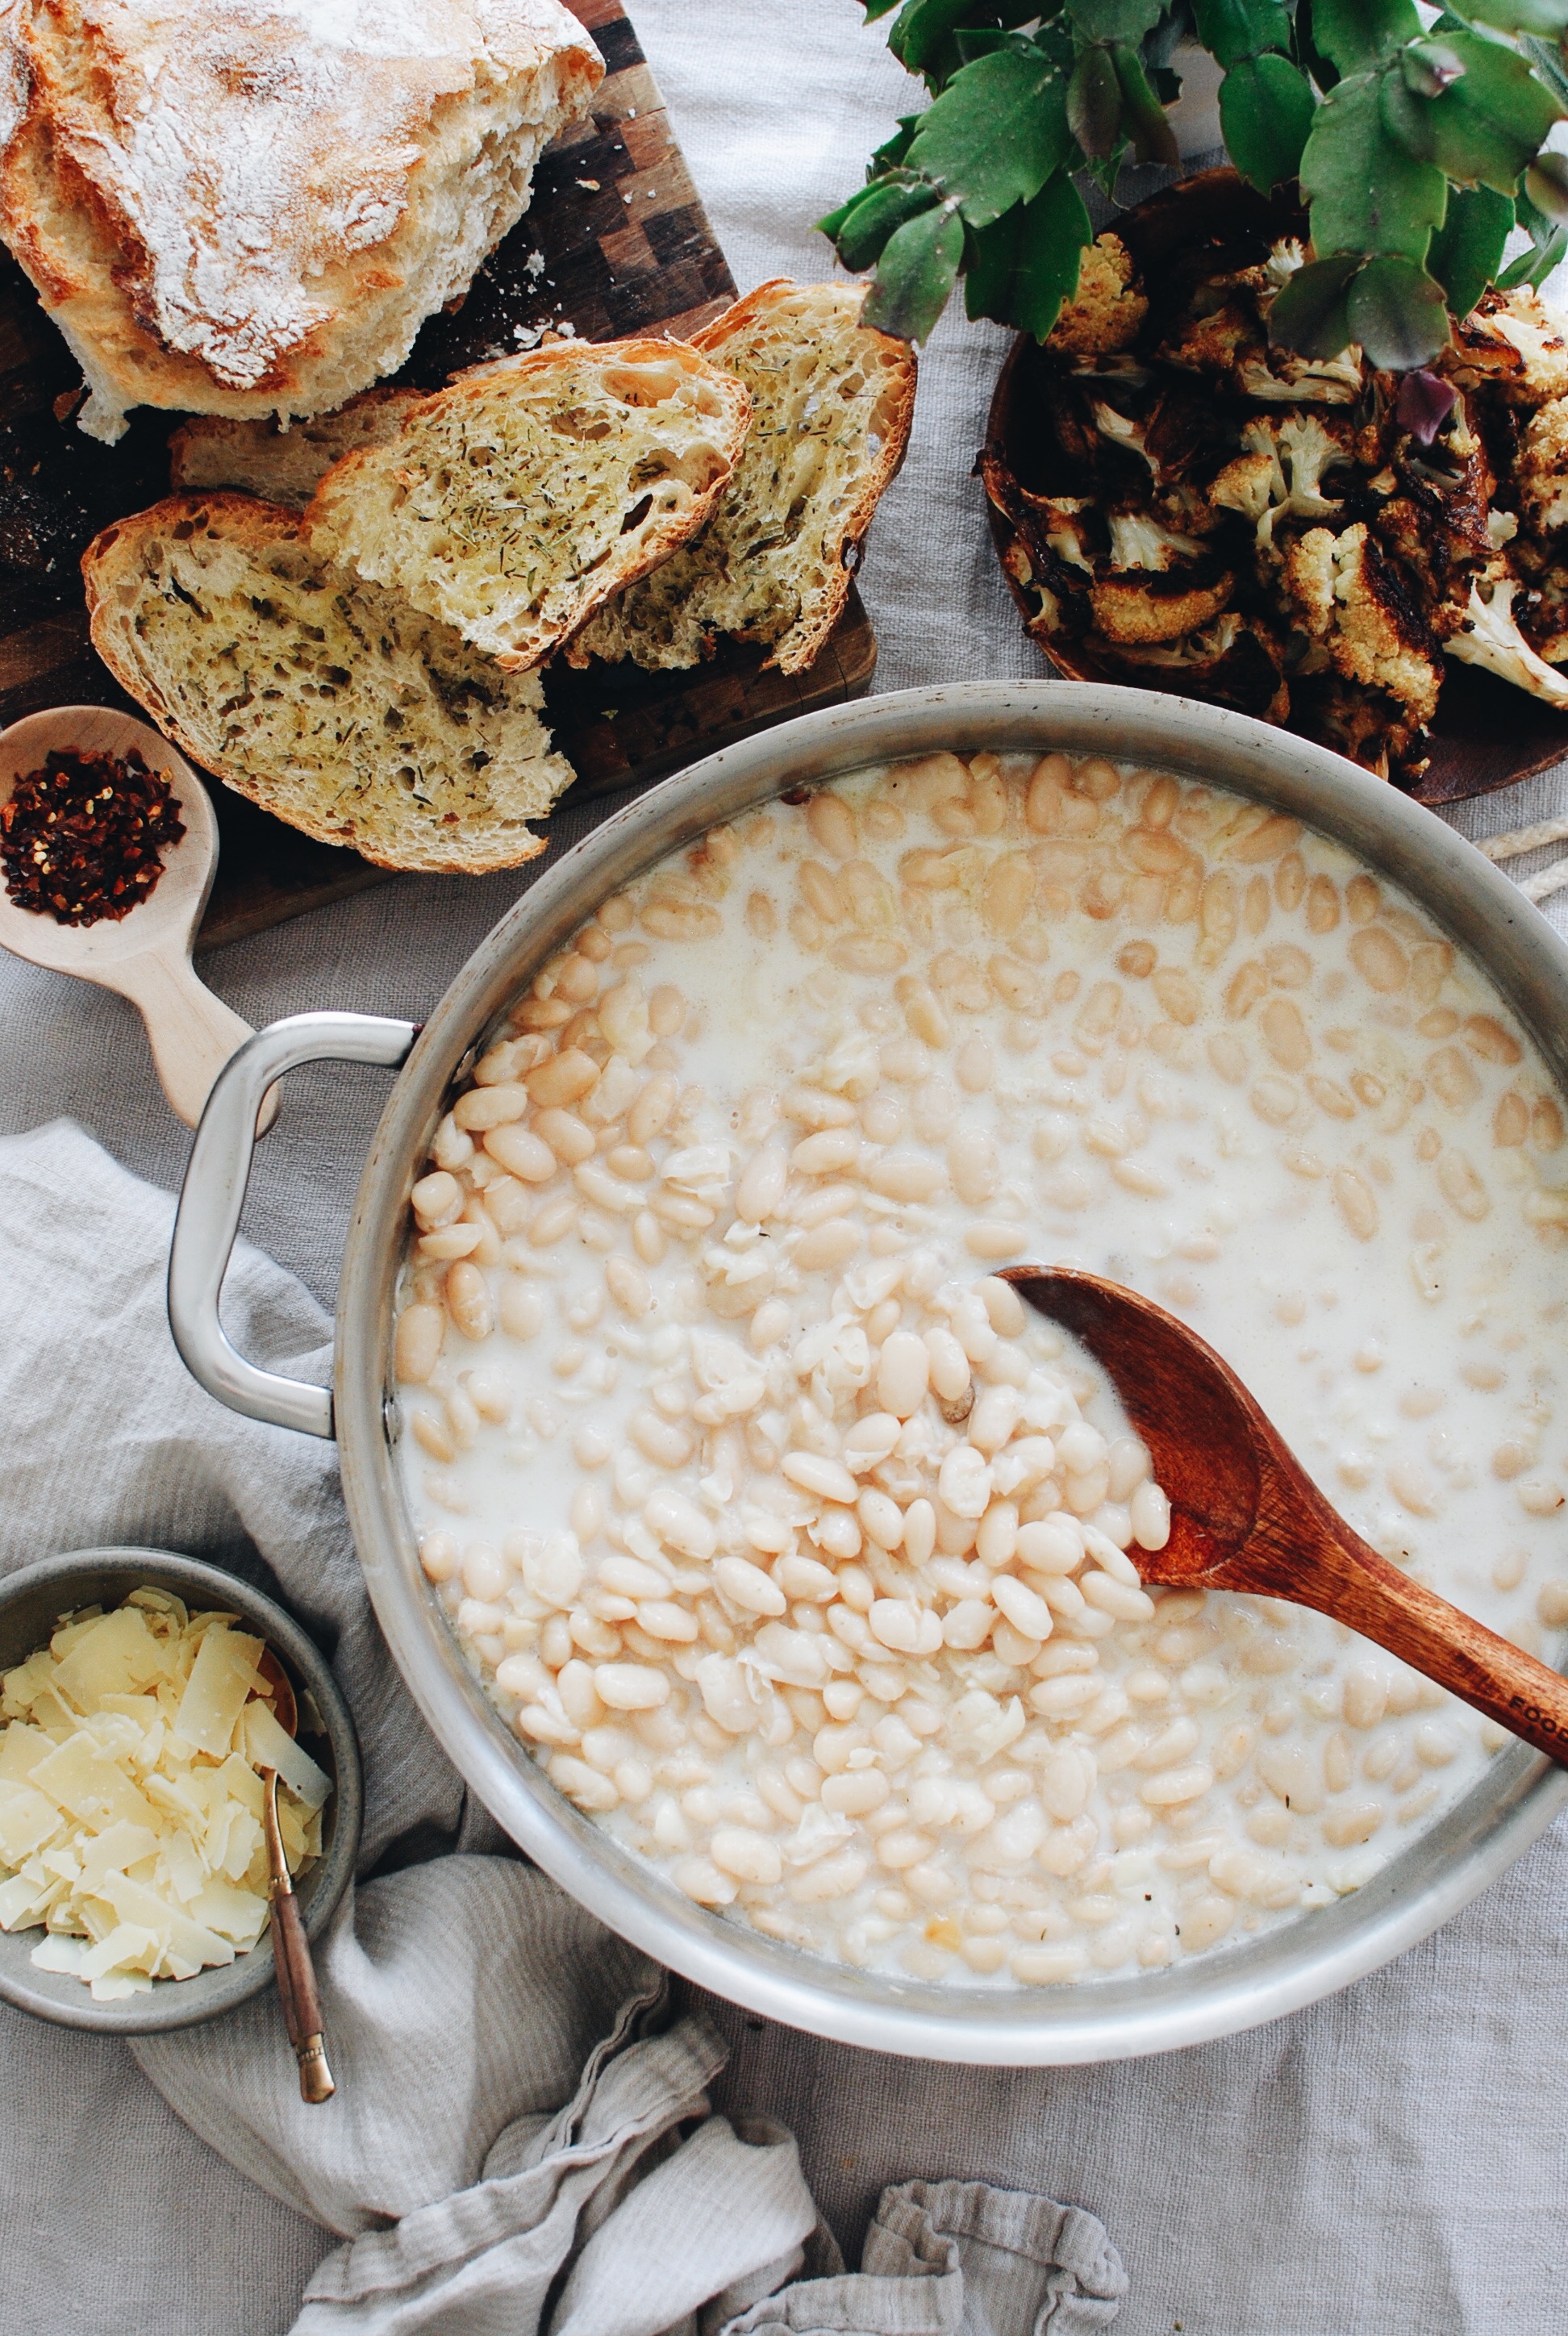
pixel 1541 473
pixel 1138 540
pixel 1067 528
pixel 1215 342
pixel 1122 431
pixel 1488 635
pixel 1346 595
pixel 1106 311
pixel 1235 661
pixel 1524 321
pixel 1252 485
pixel 1283 378
pixel 1159 605
pixel 1510 338
pixel 1282 471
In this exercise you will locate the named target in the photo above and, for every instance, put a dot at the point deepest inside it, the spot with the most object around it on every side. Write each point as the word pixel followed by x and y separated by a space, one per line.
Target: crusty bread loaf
pixel 282 466
pixel 513 504
pixel 331 704
pixel 832 403
pixel 245 210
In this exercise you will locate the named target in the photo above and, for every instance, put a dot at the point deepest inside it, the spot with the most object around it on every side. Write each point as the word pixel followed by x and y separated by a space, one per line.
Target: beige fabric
pixel 520 2141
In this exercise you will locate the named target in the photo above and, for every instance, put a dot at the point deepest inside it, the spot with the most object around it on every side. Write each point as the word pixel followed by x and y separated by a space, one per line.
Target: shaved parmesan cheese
pixel 115 1655
pixel 28 1820
pixel 131 1801
pixel 58 1952
pixel 21 1749
pixel 221 1677
pixel 268 1746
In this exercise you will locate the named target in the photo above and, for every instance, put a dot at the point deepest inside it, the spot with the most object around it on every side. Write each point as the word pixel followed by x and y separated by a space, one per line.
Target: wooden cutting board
pixel 615 241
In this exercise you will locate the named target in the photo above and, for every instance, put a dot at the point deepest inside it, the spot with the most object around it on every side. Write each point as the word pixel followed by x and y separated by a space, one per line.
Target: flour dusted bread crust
pixel 513 504
pixel 330 703
pixel 832 403
pixel 282 466
pixel 249 207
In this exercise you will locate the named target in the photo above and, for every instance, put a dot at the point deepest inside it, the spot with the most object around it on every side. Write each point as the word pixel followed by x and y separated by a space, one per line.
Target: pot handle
pixel 213 1194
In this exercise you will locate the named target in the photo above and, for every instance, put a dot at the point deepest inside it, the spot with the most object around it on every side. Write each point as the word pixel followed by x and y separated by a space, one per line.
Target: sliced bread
pixel 832 403
pixel 282 466
pixel 513 504
pixel 329 703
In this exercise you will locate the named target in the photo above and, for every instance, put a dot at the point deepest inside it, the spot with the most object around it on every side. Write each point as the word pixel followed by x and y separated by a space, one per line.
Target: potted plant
pixel 1418 147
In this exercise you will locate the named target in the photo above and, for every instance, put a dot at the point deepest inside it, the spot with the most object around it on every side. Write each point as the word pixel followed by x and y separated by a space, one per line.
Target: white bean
pixel 748 1586
pixel 903 1373
pixel 1023 1608
pixel 630 1686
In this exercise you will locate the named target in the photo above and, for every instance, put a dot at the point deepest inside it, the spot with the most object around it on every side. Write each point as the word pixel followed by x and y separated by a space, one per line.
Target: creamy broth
pixel 794 1550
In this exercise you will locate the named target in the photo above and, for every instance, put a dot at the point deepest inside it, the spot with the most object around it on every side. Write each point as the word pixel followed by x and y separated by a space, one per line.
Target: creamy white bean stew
pixel 796 1548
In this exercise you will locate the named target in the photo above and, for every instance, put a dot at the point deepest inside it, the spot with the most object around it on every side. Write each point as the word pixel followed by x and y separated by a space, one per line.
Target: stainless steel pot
pixel 1214 1995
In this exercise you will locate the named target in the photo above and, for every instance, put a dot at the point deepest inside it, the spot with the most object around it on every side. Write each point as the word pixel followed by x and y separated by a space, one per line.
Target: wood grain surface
pixel 616 241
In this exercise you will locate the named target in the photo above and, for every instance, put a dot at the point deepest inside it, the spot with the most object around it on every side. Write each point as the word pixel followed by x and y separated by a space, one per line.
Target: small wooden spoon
pixel 144 956
pixel 297 1986
pixel 1245 1515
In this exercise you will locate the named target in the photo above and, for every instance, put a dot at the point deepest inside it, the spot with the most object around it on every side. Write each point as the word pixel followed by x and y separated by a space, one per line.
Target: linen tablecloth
pixel 1390 2163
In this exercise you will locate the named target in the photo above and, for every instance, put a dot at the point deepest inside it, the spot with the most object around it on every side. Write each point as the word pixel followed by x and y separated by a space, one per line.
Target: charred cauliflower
pixel 1488 635
pixel 1306 539
pixel 1541 471
pixel 1347 596
pixel 1106 311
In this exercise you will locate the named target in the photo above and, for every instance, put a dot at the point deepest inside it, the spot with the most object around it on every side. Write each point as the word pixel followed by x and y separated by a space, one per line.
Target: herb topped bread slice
pixel 511 504
pixel 329 703
pixel 832 403
pixel 282 466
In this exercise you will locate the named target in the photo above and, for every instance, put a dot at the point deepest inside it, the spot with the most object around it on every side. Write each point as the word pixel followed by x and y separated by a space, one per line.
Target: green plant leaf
pixel 1308 314
pixel 917 272
pixel 1266 109
pixel 1546 184
pixel 996 133
pixel 1358 34
pixel 1106 171
pixel 1366 193
pixel 1513 16
pixel 1534 266
pixel 1315 63
pixel 1142 115
pixel 1547 59
pixel 1486 127
pixel 875 9
pixel 1233 29
pixel 1467 251
pixel 891 152
pixel 926 28
pixel 1398 313
pixel 1115 20
pixel 878 212
pixel 969 44
pixel 1094 105
pixel 1023 267
pixel 1429 67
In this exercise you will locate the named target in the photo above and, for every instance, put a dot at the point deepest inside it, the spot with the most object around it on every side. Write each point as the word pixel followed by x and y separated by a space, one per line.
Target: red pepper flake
pixel 82 838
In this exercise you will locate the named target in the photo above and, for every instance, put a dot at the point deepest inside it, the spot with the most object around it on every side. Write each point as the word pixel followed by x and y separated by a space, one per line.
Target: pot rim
pixel 1220 1993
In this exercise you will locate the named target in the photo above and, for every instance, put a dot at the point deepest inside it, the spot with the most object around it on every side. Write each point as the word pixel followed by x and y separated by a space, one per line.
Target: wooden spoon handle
pixel 191 1033
pixel 1362 1590
pixel 298 1993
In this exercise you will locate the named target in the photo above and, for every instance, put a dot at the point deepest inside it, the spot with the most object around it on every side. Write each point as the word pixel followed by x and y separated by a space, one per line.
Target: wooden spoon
pixel 297 1986
pixel 1245 1514
pixel 144 956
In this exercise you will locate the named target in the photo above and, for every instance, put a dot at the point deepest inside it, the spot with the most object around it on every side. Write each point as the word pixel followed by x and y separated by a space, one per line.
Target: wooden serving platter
pixel 616 241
